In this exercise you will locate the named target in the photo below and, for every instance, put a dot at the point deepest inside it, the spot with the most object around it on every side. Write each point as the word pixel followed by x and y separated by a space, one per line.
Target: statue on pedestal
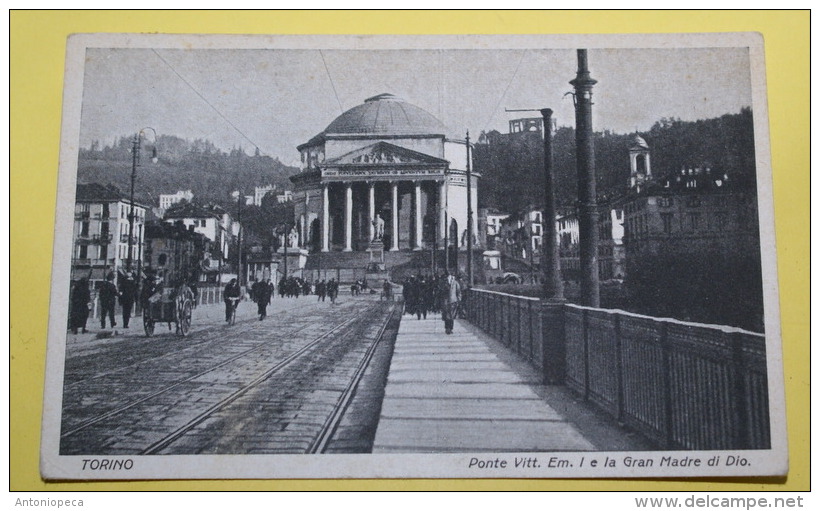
pixel 293 238
pixel 378 223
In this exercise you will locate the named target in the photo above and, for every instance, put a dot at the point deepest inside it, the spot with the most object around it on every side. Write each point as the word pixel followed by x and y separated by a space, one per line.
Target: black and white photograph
pixel 283 257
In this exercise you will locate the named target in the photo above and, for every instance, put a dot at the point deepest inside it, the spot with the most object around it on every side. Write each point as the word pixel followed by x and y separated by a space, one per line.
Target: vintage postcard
pixel 414 257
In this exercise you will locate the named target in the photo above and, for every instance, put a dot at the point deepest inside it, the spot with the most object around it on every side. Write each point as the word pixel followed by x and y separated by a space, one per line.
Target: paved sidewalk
pixel 454 393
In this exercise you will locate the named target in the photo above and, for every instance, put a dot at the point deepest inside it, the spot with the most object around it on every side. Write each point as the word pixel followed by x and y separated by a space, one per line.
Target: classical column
pixel 348 217
pixel 443 206
pixel 418 215
pixel 325 218
pixel 394 241
pixel 372 209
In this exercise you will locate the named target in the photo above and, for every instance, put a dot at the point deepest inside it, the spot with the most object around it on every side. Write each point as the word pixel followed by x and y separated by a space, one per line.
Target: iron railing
pixel 683 385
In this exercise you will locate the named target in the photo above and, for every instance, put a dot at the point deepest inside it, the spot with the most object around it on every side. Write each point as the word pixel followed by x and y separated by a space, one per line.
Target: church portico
pixel 377 173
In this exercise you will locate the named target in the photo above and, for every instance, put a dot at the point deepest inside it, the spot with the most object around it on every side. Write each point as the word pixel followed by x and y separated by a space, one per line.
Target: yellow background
pixel 37 44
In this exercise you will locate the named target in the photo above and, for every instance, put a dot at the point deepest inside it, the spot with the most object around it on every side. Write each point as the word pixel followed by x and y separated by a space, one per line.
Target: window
pixel 84 229
pixel 103 251
pixel 667 222
pixel 105 211
pixel 83 252
pixel 665 202
pixel 694 221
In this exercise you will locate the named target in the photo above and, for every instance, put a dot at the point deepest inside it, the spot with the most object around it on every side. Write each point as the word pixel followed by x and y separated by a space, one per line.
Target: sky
pixel 276 99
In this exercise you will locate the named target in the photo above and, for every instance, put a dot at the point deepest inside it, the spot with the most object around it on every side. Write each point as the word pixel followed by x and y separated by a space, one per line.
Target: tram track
pixel 99 432
pixel 169 388
pixel 327 427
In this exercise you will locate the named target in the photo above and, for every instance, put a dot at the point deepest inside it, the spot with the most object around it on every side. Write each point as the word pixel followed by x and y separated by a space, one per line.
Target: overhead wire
pixel 506 89
pixel 205 100
pixel 332 85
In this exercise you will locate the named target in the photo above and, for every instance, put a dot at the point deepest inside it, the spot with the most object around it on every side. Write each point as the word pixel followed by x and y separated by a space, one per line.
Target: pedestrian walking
pixel 262 292
pixel 451 297
pixel 423 301
pixel 333 290
pixel 108 299
pixel 321 290
pixel 80 303
pixel 128 294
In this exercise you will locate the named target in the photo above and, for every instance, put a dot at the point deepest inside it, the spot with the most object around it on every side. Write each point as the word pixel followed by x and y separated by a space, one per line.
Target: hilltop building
pixel 166 200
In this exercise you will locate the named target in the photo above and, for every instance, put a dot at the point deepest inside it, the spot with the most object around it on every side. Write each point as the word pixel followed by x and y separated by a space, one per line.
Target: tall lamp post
pixel 550 256
pixel 238 196
pixel 588 208
pixel 469 218
pixel 135 162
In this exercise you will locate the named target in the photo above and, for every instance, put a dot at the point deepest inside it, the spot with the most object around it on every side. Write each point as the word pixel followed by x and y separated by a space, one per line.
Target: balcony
pixel 102 239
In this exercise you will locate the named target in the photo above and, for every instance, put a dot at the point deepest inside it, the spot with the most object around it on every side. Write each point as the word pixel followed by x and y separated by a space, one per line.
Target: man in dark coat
pixel 108 299
pixel 333 290
pixel 80 297
pixel 321 290
pixel 128 293
pixel 262 292
pixel 231 297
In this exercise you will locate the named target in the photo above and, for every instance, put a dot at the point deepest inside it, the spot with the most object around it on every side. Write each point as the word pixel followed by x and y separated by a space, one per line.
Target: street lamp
pixel 238 196
pixel 135 159
pixel 469 218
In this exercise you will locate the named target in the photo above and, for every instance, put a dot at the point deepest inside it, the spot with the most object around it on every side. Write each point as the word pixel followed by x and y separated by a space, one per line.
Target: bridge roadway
pixel 309 378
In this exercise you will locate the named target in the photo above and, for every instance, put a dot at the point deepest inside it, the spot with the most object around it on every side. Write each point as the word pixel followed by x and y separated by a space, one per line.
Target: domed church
pixel 383 171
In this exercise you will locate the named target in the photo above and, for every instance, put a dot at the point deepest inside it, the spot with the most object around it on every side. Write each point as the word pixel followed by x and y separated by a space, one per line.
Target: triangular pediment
pixel 384 153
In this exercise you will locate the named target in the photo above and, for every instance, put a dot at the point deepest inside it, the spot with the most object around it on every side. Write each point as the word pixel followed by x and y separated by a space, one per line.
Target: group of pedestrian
pixel 357 287
pixel 419 293
pixel 292 287
pixel 108 293
pixel 433 294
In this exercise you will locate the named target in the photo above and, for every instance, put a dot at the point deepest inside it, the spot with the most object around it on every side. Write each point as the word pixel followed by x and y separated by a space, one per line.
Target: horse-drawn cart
pixel 171 306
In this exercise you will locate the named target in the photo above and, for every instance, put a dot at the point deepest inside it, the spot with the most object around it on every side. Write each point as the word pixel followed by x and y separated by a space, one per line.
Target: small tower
pixel 640 168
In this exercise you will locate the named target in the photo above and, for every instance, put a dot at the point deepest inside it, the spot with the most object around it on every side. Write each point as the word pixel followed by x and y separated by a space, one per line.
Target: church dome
pixel 386 114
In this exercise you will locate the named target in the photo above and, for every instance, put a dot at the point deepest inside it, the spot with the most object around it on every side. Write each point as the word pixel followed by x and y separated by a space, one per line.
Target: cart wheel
pixel 184 320
pixel 148 324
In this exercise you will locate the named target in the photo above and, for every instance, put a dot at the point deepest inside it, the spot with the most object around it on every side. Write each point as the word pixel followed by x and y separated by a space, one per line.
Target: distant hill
pixel 182 164
pixel 512 165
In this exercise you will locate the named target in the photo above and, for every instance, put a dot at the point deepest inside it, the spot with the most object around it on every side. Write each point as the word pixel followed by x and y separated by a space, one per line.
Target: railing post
pixel 666 360
pixel 517 302
pixel 740 416
pixel 553 343
pixel 619 366
pixel 585 329
pixel 530 329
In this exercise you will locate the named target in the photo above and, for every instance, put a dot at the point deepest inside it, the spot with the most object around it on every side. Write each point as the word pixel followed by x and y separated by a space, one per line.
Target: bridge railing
pixel 684 385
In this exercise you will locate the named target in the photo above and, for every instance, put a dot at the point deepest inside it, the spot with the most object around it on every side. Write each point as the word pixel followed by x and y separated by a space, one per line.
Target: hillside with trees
pixel 512 165
pixel 198 165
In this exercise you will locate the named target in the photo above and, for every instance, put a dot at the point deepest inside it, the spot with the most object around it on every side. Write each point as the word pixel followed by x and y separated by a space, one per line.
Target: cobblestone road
pixel 251 388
